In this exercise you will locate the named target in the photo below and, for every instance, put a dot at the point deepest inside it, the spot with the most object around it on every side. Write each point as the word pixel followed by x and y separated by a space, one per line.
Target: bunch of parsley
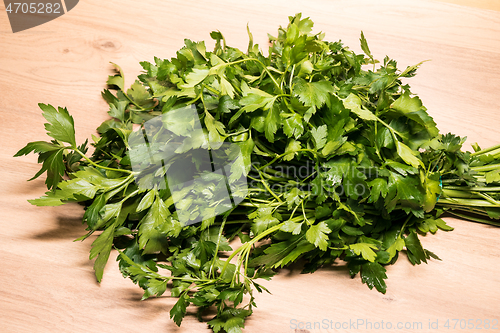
pixel 375 172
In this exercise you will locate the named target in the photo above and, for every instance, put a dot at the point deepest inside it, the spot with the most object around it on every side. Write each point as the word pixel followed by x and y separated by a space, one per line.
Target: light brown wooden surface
pixel 46 280
pixel 484 4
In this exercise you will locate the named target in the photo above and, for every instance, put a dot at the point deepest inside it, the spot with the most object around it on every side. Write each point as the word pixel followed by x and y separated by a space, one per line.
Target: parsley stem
pixel 467 209
pixel 129 196
pixel 291 78
pixel 267 176
pixel 487 198
pixel 377 148
pixel 264 201
pixel 263 148
pixel 474 218
pixel 100 166
pixel 486 150
pixel 484 168
pixel 238 133
pixel 284 154
pixel 268 188
pixel 211 89
pixel 436 162
pixel 304 213
pixel 248 204
pixel 458 193
pixel 467 202
pixel 475 188
pixel 268 73
pixel 260 62
pixel 293 212
pixel 249 244
pixel 219 237
pixel 132 101
pixel 404 225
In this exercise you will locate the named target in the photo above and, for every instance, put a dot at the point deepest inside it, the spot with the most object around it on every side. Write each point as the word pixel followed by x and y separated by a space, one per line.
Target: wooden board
pixel 46 280
pixel 485 4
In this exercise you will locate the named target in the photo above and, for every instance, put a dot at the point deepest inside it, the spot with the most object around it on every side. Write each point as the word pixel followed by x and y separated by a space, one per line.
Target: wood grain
pixel 484 4
pixel 46 280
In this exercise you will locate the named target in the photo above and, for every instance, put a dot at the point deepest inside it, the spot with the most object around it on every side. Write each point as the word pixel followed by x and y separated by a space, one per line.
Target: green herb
pixel 343 162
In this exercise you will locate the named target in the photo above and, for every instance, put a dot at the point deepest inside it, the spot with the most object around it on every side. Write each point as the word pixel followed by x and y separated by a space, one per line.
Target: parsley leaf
pixel 318 235
pixel 373 274
pixel 312 93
